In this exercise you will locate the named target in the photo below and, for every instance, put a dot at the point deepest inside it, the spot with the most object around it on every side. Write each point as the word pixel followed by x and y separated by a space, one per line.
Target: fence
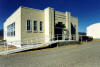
pixel 5 46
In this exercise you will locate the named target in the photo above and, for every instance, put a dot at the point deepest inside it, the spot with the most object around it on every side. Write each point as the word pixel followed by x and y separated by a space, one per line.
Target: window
pixel 11 30
pixel 14 29
pixel 8 30
pixel 41 26
pixel 28 25
pixel 35 26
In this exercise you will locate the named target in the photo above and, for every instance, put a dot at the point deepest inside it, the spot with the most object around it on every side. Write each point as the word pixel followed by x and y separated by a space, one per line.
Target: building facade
pixel 26 23
pixel 93 31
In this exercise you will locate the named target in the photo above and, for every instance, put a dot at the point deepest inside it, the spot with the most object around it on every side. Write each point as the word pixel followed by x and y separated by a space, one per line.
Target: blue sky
pixel 88 11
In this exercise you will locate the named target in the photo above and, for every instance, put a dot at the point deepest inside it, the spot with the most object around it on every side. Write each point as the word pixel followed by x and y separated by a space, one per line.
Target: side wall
pixel 15 17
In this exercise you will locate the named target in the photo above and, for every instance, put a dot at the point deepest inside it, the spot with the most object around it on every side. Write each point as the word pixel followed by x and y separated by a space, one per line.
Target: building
pixel 45 25
pixel 94 31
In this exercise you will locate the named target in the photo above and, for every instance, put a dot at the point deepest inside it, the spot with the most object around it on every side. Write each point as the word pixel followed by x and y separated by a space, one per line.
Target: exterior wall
pixel 63 18
pixel 15 17
pixel 49 23
pixel 94 31
pixel 68 22
pixel 67 19
pixel 74 21
pixel 33 15
pixel 60 17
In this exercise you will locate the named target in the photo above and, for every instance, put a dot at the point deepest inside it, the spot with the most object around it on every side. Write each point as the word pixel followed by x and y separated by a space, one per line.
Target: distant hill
pixel 1 34
pixel 82 33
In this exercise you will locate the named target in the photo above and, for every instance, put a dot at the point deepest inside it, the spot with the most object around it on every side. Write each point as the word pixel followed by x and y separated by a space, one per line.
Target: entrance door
pixel 59 30
pixel 65 34
pixel 73 31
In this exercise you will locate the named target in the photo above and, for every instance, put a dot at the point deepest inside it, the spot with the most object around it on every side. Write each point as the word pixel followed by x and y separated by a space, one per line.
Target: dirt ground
pixel 3 48
pixel 96 40
pixel 85 55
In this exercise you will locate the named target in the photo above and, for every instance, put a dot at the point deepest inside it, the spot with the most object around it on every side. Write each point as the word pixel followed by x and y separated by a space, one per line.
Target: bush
pixel 85 38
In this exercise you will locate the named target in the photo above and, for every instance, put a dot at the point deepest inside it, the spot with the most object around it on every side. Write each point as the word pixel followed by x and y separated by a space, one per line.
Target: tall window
pixel 11 30
pixel 28 25
pixel 41 26
pixel 14 29
pixel 8 30
pixel 35 26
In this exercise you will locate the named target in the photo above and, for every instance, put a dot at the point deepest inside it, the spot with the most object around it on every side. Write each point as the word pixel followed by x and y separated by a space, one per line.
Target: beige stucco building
pixel 26 23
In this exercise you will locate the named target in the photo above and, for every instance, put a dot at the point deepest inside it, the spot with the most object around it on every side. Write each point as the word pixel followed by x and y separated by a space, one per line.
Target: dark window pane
pixel 35 26
pixel 41 26
pixel 28 25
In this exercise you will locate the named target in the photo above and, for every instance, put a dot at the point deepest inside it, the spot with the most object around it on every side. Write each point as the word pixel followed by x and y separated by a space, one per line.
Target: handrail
pixel 39 39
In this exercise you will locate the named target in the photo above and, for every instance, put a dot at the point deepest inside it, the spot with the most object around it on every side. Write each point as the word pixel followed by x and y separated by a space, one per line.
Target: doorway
pixel 59 30
pixel 73 31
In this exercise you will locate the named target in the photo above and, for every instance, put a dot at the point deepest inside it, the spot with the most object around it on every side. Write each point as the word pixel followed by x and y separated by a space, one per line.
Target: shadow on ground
pixel 54 45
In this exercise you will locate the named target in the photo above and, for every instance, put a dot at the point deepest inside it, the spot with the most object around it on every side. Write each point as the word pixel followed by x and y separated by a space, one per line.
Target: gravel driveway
pixel 86 55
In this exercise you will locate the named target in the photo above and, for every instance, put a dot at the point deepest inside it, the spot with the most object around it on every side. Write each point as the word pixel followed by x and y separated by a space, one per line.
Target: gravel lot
pixel 86 55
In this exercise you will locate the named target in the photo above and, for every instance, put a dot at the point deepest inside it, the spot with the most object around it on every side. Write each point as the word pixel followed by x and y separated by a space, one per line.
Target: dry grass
pixel 3 48
pixel 1 37
pixel 96 40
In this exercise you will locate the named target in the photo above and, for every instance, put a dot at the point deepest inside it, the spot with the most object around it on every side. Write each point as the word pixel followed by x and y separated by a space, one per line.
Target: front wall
pixel 66 19
pixel 60 17
pixel 31 14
